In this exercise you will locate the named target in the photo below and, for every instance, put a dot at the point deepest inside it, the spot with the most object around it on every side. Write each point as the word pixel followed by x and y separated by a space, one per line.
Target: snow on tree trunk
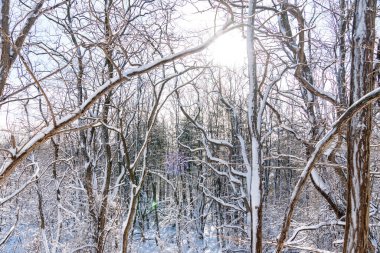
pixel 253 179
pixel 359 131
pixel 255 221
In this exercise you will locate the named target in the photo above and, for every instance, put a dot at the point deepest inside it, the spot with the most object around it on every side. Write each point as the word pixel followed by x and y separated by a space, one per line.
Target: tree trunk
pixel 254 190
pixel 102 218
pixel 359 130
pixel 254 179
pixel 127 227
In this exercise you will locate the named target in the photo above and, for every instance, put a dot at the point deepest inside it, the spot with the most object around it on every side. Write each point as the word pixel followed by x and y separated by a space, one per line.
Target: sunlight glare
pixel 229 50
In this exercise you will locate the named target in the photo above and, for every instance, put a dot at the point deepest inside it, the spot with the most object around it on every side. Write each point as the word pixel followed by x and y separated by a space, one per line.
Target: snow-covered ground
pixel 167 242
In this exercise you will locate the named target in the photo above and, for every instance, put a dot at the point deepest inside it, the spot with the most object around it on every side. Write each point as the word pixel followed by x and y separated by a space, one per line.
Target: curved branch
pixel 46 133
pixel 318 151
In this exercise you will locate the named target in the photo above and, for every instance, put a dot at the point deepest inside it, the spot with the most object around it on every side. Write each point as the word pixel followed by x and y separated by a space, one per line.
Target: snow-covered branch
pixel 46 133
pixel 320 147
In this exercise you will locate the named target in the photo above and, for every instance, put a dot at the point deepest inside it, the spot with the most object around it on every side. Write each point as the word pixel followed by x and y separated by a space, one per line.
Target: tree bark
pixel 359 130
pixel 254 178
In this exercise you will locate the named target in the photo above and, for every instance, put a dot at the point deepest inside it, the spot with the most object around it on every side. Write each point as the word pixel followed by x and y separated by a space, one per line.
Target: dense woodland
pixel 122 132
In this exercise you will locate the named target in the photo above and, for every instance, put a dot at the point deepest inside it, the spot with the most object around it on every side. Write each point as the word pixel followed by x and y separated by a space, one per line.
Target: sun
pixel 229 50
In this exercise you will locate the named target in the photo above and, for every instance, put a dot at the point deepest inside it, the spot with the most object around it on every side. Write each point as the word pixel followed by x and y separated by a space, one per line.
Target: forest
pixel 189 126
